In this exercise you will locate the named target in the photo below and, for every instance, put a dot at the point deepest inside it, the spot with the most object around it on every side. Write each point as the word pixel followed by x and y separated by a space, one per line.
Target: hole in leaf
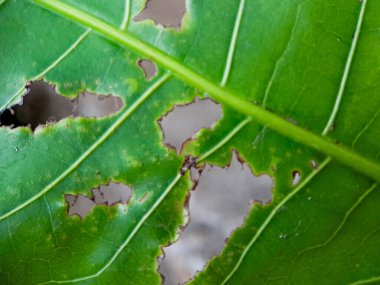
pixel 149 68
pixel 182 122
pixel 167 13
pixel 110 194
pixel 217 206
pixel 42 105
pixel 296 178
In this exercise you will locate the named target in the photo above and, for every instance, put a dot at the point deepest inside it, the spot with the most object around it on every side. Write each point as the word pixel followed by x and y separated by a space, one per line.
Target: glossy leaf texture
pixel 313 63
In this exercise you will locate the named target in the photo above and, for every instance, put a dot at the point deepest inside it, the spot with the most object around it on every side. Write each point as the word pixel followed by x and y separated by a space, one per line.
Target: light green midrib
pixel 223 95
pixel 346 71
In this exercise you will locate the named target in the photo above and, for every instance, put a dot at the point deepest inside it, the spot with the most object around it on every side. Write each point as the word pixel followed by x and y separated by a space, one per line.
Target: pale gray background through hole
pixel 218 205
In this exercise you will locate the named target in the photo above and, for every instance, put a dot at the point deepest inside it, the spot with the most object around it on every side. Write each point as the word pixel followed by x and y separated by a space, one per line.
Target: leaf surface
pixel 306 70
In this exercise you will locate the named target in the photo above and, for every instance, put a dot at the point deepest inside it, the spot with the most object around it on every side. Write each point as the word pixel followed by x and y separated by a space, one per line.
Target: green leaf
pixel 111 243
pixel 305 73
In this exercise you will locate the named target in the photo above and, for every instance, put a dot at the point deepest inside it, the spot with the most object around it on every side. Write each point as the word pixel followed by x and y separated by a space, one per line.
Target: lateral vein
pixel 271 216
pixel 92 148
pixel 347 69
pixel 232 48
pixel 49 68
pixel 128 239
pixel 127 12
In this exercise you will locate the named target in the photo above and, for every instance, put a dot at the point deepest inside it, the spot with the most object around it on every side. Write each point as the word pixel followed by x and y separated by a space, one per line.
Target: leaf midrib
pixel 221 94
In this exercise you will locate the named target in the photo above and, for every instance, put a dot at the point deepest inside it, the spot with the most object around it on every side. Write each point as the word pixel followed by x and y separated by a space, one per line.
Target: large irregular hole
pixel 110 194
pixel 183 121
pixel 42 105
pixel 148 67
pixel 217 206
pixel 167 13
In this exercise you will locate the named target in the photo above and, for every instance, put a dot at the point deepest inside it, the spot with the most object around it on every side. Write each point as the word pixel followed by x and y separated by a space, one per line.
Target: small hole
pixel 149 68
pixel 296 178
pixel 314 164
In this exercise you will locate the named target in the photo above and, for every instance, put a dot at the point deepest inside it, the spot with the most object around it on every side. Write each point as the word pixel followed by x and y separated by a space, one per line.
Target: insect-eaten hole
pixel 148 67
pixel 42 105
pixel 166 13
pixel 296 175
pixel 182 122
pixel 111 194
pixel 314 164
pixel 218 205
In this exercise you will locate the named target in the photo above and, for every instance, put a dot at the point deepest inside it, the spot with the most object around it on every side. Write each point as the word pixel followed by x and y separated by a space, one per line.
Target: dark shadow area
pixel 148 67
pixel 42 105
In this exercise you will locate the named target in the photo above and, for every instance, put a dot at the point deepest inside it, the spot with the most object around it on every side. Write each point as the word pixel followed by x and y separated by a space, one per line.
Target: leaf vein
pixel 272 215
pixel 232 47
pixel 276 65
pixel 365 128
pixel 49 68
pixel 128 239
pixel 92 148
pixel 275 122
pixel 347 69
pixel 127 12
pixel 344 220
pixel 226 138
